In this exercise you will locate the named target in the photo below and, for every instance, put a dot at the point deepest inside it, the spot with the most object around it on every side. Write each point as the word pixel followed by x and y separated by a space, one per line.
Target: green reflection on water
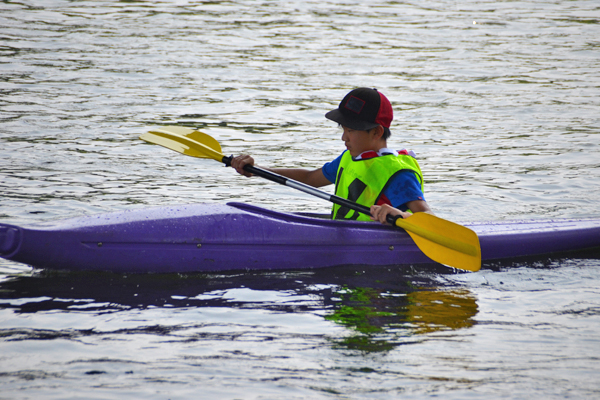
pixel 382 320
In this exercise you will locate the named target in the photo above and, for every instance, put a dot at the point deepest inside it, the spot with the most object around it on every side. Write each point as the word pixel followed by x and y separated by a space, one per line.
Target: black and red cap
pixel 363 109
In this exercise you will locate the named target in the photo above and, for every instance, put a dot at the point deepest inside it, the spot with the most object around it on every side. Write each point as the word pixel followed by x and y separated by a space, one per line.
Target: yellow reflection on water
pixel 380 321
pixel 432 311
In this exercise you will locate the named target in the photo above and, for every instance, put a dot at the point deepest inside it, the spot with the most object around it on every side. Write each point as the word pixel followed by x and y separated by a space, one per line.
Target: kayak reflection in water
pixel 380 308
pixel 367 172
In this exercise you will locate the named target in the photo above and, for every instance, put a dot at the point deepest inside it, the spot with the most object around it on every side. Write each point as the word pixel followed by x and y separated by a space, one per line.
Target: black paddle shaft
pixel 282 180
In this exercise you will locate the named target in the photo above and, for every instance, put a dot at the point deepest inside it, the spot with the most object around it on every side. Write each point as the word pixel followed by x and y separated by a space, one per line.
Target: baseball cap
pixel 363 109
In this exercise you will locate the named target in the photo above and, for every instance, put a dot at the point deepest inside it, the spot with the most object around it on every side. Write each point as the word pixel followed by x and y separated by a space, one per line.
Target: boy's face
pixel 358 142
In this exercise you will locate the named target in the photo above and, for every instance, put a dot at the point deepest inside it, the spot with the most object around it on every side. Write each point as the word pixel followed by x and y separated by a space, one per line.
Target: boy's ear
pixel 377 132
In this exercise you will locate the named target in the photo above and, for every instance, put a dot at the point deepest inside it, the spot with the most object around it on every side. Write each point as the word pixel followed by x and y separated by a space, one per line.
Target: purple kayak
pixel 236 236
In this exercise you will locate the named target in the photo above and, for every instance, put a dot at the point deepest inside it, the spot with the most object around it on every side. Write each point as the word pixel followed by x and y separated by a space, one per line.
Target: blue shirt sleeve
pixel 402 188
pixel 330 169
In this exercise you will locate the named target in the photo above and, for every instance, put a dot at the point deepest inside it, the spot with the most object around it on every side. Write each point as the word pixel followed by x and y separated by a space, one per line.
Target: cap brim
pixel 337 116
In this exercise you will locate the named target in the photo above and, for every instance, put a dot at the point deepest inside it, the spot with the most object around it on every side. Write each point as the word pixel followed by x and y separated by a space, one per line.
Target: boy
pixel 367 172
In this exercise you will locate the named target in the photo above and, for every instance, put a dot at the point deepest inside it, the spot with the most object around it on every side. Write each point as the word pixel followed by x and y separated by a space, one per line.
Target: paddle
pixel 443 241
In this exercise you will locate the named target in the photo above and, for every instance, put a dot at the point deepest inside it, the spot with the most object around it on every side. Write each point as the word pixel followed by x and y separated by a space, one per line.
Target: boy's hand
pixel 239 162
pixel 380 213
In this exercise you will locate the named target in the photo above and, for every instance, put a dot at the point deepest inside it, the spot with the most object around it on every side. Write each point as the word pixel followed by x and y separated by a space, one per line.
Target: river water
pixel 499 99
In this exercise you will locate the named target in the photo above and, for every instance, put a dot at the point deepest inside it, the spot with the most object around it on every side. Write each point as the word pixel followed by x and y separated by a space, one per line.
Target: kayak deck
pixel 237 236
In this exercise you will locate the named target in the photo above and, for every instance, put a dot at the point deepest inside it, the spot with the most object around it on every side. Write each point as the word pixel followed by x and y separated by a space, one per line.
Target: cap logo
pixel 355 104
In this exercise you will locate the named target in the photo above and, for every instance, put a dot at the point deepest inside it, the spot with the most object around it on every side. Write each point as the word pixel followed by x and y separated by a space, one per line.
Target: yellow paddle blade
pixel 193 134
pixel 185 141
pixel 443 241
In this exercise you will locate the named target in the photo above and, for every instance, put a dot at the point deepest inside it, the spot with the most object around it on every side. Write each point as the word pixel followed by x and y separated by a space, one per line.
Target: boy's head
pixel 364 109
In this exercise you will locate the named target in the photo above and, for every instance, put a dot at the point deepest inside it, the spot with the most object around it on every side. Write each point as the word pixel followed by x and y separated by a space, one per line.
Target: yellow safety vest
pixel 363 181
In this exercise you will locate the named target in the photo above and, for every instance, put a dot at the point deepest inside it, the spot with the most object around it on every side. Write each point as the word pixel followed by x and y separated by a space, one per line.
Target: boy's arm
pixel 419 206
pixel 313 178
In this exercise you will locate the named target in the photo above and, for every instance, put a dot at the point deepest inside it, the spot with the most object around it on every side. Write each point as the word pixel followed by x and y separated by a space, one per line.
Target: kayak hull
pixel 237 236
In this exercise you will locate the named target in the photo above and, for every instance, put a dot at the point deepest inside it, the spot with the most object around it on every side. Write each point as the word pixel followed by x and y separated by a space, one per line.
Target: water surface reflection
pixel 380 307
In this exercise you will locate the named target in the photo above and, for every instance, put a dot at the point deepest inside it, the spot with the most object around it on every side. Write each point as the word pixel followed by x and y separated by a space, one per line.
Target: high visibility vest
pixel 363 181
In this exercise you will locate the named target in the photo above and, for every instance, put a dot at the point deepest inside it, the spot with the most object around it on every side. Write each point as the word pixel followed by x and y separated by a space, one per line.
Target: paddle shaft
pixel 307 189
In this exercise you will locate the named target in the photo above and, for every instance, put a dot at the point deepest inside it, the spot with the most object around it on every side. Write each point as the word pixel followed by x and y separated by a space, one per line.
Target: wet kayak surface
pixel 238 236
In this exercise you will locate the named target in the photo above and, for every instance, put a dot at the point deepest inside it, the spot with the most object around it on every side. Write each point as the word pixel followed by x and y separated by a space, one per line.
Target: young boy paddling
pixel 367 172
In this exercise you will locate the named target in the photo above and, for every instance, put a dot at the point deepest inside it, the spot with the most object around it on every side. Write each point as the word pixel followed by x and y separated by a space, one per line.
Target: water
pixel 498 99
